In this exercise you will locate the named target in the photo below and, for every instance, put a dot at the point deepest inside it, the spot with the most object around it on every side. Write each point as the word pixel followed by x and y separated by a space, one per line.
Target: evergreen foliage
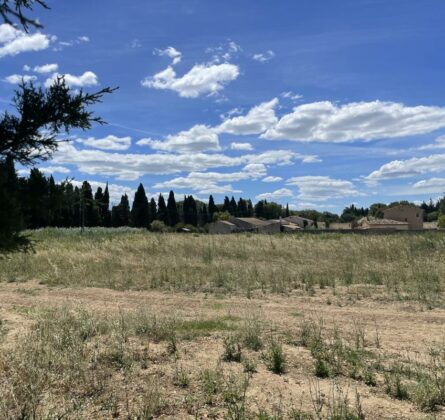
pixel 140 209
pixel 172 210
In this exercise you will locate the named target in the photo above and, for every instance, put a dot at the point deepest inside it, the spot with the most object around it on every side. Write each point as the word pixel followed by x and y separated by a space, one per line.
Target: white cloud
pixel 241 146
pixel 263 57
pixel 199 138
pixel 131 166
pixel 63 44
pixel 107 143
pixel 224 52
pixel 256 121
pixel 86 79
pixel 272 179
pixel 48 170
pixel 210 182
pixel 15 79
pixel 291 95
pixel 439 144
pixel 275 195
pixel 328 122
pixel 202 79
pixel 321 188
pixel 407 168
pixel 14 41
pixel 171 52
pixel 430 186
pixel 116 191
pixel 46 68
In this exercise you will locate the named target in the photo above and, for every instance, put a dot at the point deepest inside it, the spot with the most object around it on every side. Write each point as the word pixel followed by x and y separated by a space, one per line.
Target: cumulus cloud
pixel 15 79
pixel 407 168
pixel 131 166
pixel 202 79
pixel 256 121
pixel 48 170
pixel 116 191
pixel 85 80
pixel 275 195
pixel 272 179
pixel 170 52
pixel 46 68
pixel 328 122
pixel 14 41
pixel 199 138
pixel 430 186
pixel 263 57
pixel 321 188
pixel 107 143
pixel 241 146
pixel 213 182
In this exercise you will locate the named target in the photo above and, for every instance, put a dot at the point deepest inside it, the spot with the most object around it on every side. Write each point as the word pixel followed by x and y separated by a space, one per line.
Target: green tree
pixel 139 210
pixel 10 213
pixel 152 210
pixel 33 131
pixel 172 210
pixel 212 207
pixel 120 214
pixel 162 214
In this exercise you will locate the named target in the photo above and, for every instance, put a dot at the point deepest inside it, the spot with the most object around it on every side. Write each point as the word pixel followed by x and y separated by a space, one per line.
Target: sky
pixel 319 104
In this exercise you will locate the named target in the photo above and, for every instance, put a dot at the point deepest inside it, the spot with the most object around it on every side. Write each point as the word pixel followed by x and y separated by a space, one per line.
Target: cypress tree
pixel 203 216
pixel 139 211
pixel 105 206
pixel 226 205
pixel 162 210
pixel 287 210
pixel 249 208
pixel 233 208
pixel 98 199
pixel 11 221
pixel 172 210
pixel 212 208
pixel 152 211
pixel 36 204
pixel 242 208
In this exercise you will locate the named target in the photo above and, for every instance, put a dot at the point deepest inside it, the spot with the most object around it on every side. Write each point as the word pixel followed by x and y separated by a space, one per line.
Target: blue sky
pixel 317 104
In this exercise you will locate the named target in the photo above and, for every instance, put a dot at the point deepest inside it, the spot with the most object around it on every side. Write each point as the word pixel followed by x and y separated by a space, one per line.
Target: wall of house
pixel 270 228
pixel 410 214
pixel 220 228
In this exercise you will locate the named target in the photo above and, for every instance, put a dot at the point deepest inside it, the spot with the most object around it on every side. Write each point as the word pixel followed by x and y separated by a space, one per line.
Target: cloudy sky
pixel 313 103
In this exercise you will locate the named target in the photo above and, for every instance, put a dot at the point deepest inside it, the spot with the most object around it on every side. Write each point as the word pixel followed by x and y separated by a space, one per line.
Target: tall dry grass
pixel 403 266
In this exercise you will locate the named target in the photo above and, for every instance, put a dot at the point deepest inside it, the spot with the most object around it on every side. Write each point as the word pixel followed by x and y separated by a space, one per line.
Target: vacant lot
pixel 129 324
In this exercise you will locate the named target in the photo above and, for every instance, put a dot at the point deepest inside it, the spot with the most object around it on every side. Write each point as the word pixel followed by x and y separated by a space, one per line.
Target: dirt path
pixel 401 328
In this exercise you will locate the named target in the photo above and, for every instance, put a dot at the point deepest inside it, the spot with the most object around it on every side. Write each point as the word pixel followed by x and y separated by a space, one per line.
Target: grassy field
pixel 131 324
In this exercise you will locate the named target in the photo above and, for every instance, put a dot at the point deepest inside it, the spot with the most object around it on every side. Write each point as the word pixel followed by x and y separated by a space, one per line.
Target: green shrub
pixel 441 221
pixel 275 358
pixel 232 349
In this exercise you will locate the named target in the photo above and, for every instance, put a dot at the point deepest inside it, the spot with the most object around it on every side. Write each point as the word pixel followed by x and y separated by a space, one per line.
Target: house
pixel 341 226
pixel 413 215
pixel 222 227
pixel 388 224
pixel 252 224
pixel 244 224
pixel 430 225
pixel 300 221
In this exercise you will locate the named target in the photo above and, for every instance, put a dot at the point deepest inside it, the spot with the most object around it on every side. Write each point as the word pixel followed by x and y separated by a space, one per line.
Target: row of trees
pixel 38 201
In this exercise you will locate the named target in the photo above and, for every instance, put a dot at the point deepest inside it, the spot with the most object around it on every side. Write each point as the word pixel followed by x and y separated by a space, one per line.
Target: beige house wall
pixel 411 214
pixel 221 228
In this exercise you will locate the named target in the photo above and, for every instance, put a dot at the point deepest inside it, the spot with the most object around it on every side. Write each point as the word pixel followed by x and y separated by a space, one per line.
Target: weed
pixel 232 349
pixel 275 358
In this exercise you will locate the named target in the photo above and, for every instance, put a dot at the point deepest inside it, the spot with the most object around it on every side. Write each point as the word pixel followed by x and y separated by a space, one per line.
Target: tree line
pixel 38 201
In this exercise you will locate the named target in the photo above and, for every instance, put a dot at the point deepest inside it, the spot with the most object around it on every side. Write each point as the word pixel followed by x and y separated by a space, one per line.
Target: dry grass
pixel 277 327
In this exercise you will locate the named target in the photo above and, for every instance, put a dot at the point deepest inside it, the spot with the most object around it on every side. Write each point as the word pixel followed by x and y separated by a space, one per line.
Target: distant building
pixel 222 227
pixel 387 224
pixel 413 215
pixel 341 226
pixel 300 221
pixel 245 224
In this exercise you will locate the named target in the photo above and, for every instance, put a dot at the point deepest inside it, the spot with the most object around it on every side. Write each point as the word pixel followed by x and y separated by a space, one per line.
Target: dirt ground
pixel 403 330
